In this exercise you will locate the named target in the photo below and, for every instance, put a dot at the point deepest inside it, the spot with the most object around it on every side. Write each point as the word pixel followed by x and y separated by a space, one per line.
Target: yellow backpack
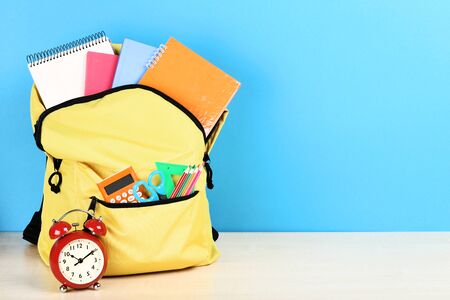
pixel 90 138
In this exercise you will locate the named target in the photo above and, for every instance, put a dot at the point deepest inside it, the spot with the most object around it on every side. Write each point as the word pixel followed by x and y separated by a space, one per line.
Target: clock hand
pixel 90 253
pixel 80 260
pixel 73 256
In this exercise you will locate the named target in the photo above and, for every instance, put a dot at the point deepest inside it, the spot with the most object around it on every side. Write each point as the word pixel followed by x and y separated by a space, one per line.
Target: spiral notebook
pixel 191 80
pixel 59 73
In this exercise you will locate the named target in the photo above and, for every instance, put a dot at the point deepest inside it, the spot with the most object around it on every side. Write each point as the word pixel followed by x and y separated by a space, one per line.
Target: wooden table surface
pixel 264 266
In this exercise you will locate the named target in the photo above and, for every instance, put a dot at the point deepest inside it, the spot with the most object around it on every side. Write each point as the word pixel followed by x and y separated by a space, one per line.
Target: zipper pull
pixel 56 187
pixel 209 173
pixel 93 204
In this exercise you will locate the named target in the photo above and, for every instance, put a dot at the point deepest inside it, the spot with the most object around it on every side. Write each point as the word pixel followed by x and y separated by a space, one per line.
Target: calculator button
pixel 130 192
pixel 112 200
pixel 131 198
pixel 123 201
pixel 118 197
pixel 124 194
pixel 139 194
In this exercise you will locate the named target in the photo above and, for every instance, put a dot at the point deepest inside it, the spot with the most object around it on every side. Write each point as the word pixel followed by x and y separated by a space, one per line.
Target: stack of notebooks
pixel 89 66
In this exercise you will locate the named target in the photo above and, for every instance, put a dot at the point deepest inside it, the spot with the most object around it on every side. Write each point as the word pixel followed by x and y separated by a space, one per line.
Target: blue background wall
pixel 342 122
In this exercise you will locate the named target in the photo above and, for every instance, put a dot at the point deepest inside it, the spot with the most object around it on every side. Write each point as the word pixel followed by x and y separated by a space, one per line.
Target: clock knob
pixel 59 228
pixel 96 226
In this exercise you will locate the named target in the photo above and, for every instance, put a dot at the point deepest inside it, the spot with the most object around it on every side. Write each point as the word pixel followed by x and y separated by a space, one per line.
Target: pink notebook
pixel 100 70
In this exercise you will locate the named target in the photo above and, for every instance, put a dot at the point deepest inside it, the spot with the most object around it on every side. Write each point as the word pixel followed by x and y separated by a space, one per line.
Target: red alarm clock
pixel 78 258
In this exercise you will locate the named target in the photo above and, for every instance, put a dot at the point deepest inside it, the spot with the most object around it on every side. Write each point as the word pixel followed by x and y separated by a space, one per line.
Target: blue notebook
pixel 133 59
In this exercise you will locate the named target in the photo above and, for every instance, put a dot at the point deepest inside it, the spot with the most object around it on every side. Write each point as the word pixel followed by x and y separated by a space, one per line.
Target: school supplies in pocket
pixel 118 188
pixel 155 191
pixel 187 181
pixel 171 172
pixel 192 184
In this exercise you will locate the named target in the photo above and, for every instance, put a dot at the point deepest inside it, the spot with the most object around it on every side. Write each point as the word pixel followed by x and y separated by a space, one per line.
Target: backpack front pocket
pixel 160 235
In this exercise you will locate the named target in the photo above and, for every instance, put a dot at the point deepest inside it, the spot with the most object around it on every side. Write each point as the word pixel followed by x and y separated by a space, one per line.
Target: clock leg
pixel 97 285
pixel 63 288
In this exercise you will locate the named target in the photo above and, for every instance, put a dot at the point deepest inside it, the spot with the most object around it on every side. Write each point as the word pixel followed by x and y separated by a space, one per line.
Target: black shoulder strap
pixel 33 229
pixel 215 234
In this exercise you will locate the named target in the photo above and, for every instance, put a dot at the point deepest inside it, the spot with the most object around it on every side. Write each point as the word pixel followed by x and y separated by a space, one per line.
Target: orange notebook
pixel 195 83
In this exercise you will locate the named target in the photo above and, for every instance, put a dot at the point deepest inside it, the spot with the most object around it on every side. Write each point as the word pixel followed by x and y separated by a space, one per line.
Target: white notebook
pixel 59 73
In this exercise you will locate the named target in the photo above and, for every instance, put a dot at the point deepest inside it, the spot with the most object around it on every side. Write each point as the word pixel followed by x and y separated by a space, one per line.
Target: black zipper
pixel 140 204
pixel 84 99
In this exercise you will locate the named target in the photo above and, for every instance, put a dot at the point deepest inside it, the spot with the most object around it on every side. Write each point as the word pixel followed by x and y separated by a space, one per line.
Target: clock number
pixel 93 267
pixel 64 261
pixel 80 246
pixel 72 247
pixel 95 259
pixel 73 274
pixel 79 276
pixel 88 273
pixel 66 253
pixel 67 268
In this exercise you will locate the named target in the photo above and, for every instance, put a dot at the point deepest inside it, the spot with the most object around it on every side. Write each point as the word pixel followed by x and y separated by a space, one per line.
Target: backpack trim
pixel 95 200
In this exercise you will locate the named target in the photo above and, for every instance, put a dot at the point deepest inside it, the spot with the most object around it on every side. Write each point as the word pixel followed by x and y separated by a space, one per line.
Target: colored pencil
pixel 191 179
pixel 180 181
pixel 192 185
pixel 186 180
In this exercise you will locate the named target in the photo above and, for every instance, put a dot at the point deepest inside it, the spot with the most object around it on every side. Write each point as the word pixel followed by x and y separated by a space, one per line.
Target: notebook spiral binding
pixel 66 49
pixel 156 56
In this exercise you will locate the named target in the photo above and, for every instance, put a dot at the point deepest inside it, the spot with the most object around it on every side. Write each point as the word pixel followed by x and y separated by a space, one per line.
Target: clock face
pixel 81 261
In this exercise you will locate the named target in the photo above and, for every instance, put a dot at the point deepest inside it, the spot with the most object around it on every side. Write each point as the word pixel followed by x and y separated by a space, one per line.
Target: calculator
pixel 118 188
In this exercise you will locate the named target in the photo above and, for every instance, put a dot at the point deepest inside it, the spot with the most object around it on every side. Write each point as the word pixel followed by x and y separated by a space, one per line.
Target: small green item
pixel 168 170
